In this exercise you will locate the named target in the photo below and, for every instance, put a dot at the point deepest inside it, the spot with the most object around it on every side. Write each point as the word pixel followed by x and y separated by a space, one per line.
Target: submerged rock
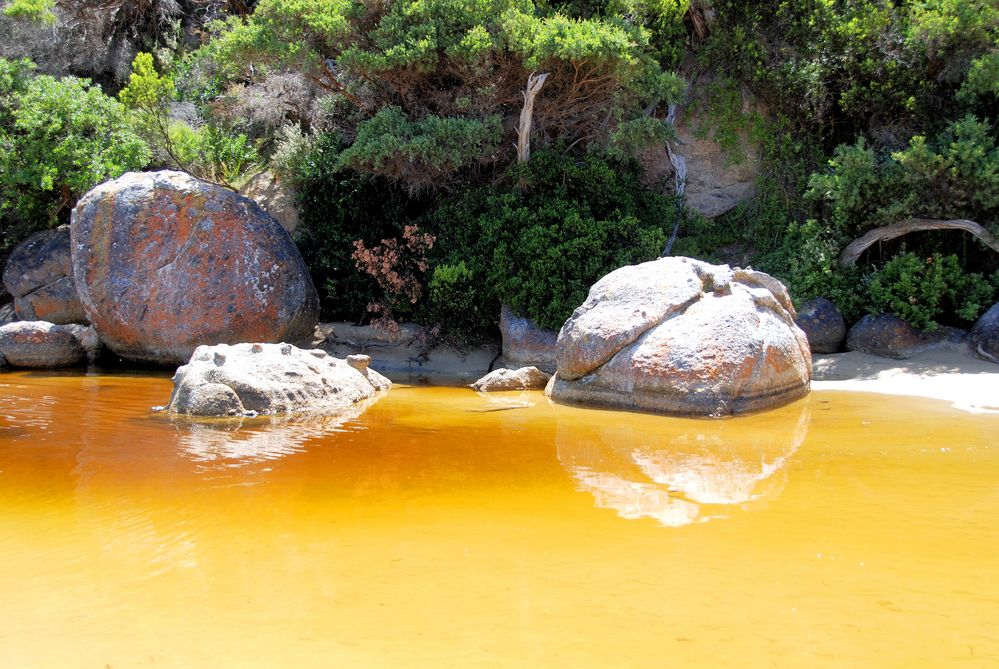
pixel 243 379
pixel 525 378
pixel 683 337
pixel 983 340
pixel 822 324
pixel 39 276
pixel 165 263
pixel 42 345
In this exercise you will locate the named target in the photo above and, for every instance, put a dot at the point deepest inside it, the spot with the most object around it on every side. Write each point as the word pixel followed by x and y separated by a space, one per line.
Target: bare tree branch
pixel 852 252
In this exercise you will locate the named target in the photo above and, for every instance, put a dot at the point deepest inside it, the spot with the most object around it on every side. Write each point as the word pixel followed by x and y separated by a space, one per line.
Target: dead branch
pixel 534 84
pixel 852 252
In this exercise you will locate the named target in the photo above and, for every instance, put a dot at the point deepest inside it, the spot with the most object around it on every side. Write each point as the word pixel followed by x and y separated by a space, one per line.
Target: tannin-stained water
pixel 442 528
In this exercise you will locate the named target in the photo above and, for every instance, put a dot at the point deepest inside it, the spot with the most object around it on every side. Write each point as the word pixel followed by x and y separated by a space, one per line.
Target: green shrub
pixel 338 207
pixel 558 225
pixel 465 309
pixel 58 139
pixel 929 291
pixel 208 151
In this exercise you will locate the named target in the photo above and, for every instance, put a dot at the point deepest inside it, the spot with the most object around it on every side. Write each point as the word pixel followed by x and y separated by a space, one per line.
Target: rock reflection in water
pixel 679 471
pixel 239 442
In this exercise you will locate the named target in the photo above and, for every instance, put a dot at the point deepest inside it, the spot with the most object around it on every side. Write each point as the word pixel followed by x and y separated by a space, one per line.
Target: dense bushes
pixel 396 123
pixel 432 88
pixel 540 240
pixel 58 139
pixel 339 207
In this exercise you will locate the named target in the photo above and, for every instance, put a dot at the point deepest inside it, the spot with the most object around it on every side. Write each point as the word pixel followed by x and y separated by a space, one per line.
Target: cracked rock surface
pixel 39 276
pixel 683 337
pixel 164 263
pixel 270 379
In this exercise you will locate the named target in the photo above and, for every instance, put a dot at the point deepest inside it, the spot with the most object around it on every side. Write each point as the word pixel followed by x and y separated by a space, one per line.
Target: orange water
pixel 447 529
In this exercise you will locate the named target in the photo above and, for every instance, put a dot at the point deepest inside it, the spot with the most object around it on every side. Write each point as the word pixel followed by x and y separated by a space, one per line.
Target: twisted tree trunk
pixel 852 252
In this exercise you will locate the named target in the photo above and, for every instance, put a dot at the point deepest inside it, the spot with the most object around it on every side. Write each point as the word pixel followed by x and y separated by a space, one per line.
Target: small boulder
pixel 889 336
pixel 525 344
pixel 525 378
pixel 682 337
pixel 41 345
pixel 823 324
pixel 39 275
pixel 165 263
pixel 244 379
pixel 983 340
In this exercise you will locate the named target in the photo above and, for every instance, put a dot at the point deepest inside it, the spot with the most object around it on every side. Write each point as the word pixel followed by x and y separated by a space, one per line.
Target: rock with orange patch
pixel 39 276
pixel 683 337
pixel 165 263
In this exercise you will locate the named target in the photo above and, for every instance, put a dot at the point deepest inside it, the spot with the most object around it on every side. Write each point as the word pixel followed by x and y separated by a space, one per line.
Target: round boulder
pixel 165 263
pixel 41 345
pixel 889 336
pixel 683 337
pixel 39 276
pixel 251 379
pixel 822 324
pixel 983 340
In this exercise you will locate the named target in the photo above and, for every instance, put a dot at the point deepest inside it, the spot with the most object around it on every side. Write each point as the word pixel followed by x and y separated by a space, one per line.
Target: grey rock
pixel 983 340
pixel 241 379
pixel 718 178
pixel 889 336
pixel 276 198
pixel 165 263
pixel 41 345
pixel 683 337
pixel 55 302
pixel 39 275
pixel 823 324
pixel 525 344
pixel 525 378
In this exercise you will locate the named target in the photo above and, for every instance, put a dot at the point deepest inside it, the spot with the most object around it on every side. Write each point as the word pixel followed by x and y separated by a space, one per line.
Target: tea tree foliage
pixel 206 151
pixel 58 139
pixel 435 85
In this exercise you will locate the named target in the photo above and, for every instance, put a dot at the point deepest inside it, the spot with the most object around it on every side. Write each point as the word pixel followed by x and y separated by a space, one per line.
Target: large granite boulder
pixel 525 378
pixel 39 276
pixel 683 337
pixel 889 336
pixel 41 345
pixel 165 263
pixel 822 324
pixel 525 344
pixel 269 379
pixel 983 340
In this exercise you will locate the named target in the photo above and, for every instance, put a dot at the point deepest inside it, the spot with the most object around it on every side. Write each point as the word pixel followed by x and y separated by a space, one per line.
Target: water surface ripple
pixel 443 528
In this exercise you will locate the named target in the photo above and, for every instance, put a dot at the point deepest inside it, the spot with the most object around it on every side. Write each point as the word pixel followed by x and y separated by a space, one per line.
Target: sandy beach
pixel 951 374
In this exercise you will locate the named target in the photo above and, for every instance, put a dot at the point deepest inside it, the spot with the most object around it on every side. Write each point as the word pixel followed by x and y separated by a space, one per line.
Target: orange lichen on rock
pixel 165 263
